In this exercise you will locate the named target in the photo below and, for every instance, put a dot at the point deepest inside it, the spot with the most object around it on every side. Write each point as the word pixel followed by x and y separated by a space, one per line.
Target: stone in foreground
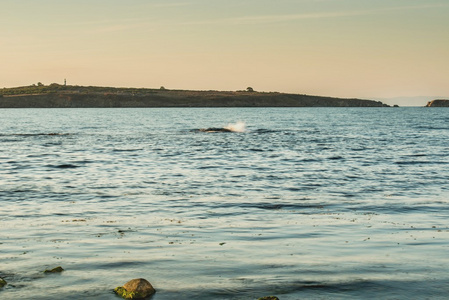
pixel 135 289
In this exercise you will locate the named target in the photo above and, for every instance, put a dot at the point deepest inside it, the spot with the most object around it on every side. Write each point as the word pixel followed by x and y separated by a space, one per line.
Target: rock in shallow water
pixel 135 289
pixel 54 270
pixel 213 129
pixel 2 282
pixel 269 298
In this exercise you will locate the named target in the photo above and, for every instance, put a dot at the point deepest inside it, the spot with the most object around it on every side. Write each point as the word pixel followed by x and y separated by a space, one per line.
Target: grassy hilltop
pixel 58 88
pixel 55 95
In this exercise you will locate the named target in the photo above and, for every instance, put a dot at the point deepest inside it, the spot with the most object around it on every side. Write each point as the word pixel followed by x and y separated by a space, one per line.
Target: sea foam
pixel 237 127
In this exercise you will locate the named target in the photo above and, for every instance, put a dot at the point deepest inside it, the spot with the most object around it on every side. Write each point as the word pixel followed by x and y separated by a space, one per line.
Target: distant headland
pixel 61 96
pixel 438 103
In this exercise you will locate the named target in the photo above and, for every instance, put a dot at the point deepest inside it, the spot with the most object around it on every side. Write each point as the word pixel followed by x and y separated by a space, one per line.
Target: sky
pixel 371 49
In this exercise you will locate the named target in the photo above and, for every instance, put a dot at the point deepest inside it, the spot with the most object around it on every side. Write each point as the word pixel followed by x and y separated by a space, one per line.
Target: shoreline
pixel 58 96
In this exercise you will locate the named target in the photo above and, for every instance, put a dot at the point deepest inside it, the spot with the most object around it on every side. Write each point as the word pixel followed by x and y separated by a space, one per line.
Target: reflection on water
pixel 304 203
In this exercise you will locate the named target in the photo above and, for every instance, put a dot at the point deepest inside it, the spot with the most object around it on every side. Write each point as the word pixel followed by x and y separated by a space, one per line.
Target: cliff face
pixel 173 98
pixel 438 103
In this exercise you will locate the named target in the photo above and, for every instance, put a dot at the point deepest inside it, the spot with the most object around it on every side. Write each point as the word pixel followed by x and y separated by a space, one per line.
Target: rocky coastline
pixel 438 103
pixel 58 96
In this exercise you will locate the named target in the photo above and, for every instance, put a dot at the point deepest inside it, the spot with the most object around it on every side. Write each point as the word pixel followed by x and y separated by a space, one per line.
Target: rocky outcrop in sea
pixel 438 103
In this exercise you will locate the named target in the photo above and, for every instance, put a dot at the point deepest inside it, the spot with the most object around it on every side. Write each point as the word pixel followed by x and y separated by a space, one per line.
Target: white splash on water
pixel 237 127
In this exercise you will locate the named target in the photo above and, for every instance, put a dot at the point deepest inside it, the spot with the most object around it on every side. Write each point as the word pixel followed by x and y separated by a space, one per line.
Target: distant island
pixel 61 96
pixel 438 103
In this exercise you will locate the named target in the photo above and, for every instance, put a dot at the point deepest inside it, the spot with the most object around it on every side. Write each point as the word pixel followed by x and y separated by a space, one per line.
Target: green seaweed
pixel 122 292
pixel 54 270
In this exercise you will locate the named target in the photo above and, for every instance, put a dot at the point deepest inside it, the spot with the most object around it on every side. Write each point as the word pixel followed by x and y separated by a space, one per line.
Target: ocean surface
pixel 301 203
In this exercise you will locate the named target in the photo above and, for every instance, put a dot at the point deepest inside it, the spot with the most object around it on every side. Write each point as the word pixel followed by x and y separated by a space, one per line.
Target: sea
pixel 299 203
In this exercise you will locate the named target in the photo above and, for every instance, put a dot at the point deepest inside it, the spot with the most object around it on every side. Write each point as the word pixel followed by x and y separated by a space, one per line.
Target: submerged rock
pixel 135 289
pixel 269 298
pixel 214 129
pixel 54 270
pixel 2 282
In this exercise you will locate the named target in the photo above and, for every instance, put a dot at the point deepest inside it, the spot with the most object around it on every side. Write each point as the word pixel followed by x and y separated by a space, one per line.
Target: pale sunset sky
pixel 371 49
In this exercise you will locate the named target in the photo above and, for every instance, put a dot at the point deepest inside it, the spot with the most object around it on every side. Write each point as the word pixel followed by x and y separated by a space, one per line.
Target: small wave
pixel 419 162
pixel 64 166
pixel 277 206
pixel 36 134
pixel 336 157
pixel 262 130
pixel 127 150
pixel 256 150
pixel 417 155
pixel 431 128
pixel 40 155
